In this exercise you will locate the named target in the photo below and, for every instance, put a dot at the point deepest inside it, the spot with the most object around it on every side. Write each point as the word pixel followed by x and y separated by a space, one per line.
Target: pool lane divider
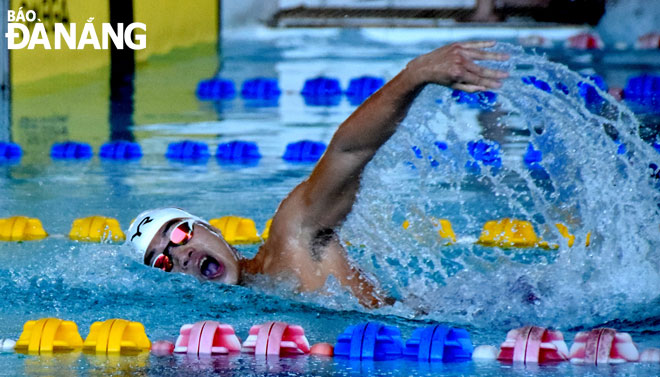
pixel 96 229
pixel 276 339
pixel 21 228
pixel 116 336
pixel 49 335
pixel 504 233
pixel 206 338
pixel 640 92
pixel 363 341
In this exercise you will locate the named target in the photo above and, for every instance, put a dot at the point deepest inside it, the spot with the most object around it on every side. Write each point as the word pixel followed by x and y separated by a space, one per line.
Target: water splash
pixel 595 186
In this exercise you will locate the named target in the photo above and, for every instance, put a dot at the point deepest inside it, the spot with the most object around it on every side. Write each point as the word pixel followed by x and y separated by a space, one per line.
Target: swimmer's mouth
pixel 211 268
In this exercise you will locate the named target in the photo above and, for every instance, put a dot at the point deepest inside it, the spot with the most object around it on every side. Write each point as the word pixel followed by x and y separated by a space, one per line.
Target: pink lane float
pixel 603 346
pixel 207 338
pixel 276 339
pixel 532 344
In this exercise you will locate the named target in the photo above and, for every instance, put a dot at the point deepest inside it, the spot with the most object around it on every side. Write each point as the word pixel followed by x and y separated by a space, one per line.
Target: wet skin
pixel 302 242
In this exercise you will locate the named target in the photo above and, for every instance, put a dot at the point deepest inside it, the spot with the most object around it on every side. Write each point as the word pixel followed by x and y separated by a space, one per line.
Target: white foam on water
pixel 591 188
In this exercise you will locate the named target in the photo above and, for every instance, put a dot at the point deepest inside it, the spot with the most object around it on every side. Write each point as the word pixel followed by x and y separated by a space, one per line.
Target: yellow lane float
pixel 266 232
pixel 48 335
pixel 96 229
pixel 508 233
pixel 563 230
pixel 444 227
pixel 570 238
pixel 21 228
pixel 116 336
pixel 445 230
pixel 236 230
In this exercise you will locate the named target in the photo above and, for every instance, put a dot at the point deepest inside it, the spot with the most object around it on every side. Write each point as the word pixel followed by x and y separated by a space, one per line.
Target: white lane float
pixel 650 355
pixel 7 345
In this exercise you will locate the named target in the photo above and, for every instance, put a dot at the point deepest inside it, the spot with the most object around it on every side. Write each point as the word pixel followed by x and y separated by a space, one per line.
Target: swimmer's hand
pixel 453 66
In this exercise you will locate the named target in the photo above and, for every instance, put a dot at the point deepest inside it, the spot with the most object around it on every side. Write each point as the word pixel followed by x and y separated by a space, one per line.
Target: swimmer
pixel 303 241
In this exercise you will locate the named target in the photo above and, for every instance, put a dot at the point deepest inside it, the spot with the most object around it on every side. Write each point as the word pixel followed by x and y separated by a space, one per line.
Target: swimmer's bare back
pixel 303 241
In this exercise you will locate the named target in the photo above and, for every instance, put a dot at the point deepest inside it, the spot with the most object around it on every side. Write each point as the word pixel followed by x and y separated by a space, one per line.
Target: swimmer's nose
pixel 183 259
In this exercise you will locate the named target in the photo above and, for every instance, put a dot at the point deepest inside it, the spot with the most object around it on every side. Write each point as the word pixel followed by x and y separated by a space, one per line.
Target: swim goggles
pixel 180 235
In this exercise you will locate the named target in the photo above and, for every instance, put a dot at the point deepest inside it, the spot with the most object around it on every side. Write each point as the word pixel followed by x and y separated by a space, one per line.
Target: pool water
pixel 614 282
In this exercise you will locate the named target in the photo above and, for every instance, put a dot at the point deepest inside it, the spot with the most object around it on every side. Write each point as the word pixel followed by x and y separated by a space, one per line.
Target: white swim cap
pixel 146 225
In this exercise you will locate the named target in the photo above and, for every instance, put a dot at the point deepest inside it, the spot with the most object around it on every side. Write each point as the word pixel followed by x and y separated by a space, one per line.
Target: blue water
pixel 614 282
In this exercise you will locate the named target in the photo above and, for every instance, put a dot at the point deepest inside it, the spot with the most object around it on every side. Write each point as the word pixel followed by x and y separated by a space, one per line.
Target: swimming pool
pixel 486 290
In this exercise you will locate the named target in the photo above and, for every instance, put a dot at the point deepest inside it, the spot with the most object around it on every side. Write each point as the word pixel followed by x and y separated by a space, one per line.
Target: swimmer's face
pixel 200 251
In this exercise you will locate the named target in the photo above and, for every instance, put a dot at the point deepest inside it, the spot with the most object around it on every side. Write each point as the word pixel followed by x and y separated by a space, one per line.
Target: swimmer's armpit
pixel 320 241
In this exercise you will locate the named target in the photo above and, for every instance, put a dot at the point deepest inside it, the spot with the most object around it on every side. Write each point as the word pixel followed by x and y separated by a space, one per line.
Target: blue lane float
pixel 371 340
pixel 441 145
pixel 120 150
pixel 532 160
pixel 260 88
pixel 360 88
pixel 486 152
pixel 562 87
pixel 322 91
pixel 238 152
pixel 643 93
pixel 216 89
pixel 587 90
pixel 478 100
pixel 439 344
pixel 71 150
pixel 10 152
pixel 187 150
pixel 537 83
pixel 304 151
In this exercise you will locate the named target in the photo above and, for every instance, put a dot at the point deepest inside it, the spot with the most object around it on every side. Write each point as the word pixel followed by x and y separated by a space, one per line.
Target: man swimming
pixel 303 241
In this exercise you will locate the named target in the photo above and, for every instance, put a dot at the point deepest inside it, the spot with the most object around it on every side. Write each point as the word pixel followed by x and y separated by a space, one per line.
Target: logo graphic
pixel 25 29
pixel 146 220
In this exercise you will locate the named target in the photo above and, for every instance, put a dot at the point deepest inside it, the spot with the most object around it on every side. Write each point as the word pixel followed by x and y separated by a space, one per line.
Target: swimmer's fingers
pixel 473 80
pixel 486 72
pixel 469 88
pixel 477 44
pixel 476 54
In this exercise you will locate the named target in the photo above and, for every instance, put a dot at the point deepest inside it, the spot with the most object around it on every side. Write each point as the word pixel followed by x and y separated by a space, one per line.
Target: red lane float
pixel 322 349
pixel 162 348
pixel 276 339
pixel 615 92
pixel 602 346
pixel 585 41
pixel 532 344
pixel 207 338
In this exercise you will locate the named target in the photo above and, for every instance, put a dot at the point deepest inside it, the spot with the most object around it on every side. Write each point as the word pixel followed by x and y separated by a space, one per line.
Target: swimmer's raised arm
pixel 330 191
pixel 302 235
